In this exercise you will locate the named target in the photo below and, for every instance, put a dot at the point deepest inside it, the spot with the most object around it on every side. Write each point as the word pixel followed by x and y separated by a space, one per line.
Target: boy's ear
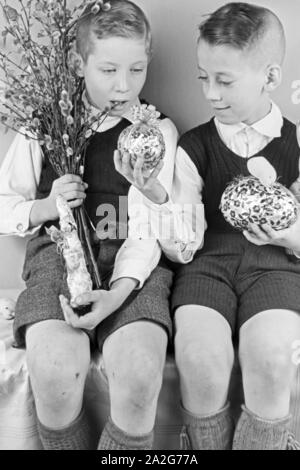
pixel 77 62
pixel 273 77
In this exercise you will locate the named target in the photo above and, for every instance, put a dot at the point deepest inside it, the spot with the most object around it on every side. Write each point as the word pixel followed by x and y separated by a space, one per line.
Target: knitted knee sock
pixel 209 432
pixel 255 433
pixel 113 438
pixel 76 436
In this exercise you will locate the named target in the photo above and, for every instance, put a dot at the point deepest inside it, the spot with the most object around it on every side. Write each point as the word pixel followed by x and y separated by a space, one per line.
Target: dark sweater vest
pixel 218 165
pixel 105 183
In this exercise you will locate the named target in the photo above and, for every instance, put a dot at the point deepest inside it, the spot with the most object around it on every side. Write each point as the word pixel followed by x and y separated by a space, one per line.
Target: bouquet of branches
pixel 42 98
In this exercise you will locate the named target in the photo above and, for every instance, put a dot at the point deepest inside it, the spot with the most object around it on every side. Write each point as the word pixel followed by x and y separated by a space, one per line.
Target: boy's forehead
pixel 118 47
pixel 222 58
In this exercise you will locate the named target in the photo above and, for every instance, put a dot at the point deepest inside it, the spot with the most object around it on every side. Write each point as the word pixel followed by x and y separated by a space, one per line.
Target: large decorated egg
pixel 247 200
pixel 143 138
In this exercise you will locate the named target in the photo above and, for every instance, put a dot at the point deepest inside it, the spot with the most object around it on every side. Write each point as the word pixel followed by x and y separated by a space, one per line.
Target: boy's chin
pixel 119 111
pixel 228 120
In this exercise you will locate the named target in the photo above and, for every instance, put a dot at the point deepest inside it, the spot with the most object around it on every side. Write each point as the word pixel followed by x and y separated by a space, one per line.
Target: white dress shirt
pixel 19 179
pixel 188 236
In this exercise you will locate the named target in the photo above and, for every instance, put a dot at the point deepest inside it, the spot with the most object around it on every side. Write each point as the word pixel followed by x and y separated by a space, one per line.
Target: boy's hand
pixel 71 187
pixel 144 180
pixel 103 304
pixel 265 235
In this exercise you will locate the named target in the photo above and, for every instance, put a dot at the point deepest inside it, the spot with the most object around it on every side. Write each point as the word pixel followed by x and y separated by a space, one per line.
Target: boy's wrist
pixel 41 212
pixel 121 288
pixel 157 194
pixel 293 255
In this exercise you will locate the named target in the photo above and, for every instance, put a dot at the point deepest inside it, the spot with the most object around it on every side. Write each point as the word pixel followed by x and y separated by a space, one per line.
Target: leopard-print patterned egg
pixel 247 200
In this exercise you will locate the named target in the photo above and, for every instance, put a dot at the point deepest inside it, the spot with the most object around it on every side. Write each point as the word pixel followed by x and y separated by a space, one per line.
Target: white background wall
pixel 172 82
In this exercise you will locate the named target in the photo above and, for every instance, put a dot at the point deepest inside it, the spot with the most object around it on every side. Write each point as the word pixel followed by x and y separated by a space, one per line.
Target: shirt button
pixel 20 227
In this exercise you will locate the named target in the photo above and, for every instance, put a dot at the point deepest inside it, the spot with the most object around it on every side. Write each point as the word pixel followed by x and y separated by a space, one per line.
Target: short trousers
pixel 237 279
pixel 45 280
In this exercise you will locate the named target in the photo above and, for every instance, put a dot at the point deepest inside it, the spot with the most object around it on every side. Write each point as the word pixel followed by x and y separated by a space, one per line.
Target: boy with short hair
pixel 132 311
pixel 236 283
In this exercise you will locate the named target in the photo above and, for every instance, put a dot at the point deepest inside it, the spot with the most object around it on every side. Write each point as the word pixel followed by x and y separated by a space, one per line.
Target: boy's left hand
pixel 103 304
pixel 265 235
pixel 144 180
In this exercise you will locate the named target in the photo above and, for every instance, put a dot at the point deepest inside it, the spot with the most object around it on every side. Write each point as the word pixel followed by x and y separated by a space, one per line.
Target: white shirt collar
pixel 110 121
pixel 269 126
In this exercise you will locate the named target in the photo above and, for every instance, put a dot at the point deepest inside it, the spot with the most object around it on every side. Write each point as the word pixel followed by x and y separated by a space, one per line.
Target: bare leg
pixel 268 371
pixel 134 358
pixel 204 357
pixel 58 359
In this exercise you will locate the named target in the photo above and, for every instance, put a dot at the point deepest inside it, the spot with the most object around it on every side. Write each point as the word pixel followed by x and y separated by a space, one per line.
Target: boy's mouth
pixel 222 109
pixel 117 104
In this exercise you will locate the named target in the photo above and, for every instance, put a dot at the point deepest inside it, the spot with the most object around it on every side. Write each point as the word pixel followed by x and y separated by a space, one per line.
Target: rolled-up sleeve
pixel 179 224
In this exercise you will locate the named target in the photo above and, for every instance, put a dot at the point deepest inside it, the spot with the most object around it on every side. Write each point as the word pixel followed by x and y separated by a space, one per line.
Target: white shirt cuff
pixel 138 272
pixel 19 224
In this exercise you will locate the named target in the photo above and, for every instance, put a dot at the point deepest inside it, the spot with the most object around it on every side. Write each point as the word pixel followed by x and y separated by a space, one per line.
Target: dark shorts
pixel 45 280
pixel 238 279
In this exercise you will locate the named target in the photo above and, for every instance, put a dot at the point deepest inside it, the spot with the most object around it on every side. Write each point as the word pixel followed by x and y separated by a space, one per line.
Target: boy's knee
pixel 136 379
pixel 204 366
pixel 270 364
pixel 57 374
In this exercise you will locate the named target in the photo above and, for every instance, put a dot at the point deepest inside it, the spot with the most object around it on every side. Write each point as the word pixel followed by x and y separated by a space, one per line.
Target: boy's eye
pixel 202 77
pixel 108 71
pixel 221 82
pixel 136 70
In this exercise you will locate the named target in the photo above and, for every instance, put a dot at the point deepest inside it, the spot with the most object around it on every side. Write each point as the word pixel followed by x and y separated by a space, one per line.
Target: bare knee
pixel 266 350
pixel 268 364
pixel 134 358
pixel 58 363
pixel 206 368
pixel 203 352
pixel 136 377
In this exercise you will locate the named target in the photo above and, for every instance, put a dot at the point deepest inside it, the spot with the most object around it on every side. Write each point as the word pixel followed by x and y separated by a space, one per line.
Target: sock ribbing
pixel 255 433
pixel 208 432
pixel 76 436
pixel 113 438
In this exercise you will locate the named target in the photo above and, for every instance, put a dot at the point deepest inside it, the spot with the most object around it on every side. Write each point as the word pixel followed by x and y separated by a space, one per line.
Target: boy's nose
pixel 122 83
pixel 212 93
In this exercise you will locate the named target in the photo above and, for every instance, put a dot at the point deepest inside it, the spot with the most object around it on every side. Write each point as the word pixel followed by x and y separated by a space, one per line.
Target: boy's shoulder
pixel 288 137
pixel 196 143
pixel 166 124
pixel 288 126
pixel 198 135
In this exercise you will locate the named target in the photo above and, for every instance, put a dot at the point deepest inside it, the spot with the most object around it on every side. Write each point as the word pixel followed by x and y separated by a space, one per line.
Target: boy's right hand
pixel 144 180
pixel 71 187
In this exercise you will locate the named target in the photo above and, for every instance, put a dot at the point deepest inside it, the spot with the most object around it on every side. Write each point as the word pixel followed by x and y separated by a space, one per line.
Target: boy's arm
pixel 136 259
pixel 104 303
pixel 172 203
pixel 19 178
pixel 182 216
pixel 140 253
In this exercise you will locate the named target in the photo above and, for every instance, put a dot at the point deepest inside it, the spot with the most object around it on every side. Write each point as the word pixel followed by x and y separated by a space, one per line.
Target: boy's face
pixel 115 72
pixel 233 83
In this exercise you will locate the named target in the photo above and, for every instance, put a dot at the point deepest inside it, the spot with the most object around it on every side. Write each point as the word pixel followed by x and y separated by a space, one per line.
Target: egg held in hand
pixel 246 200
pixel 143 138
